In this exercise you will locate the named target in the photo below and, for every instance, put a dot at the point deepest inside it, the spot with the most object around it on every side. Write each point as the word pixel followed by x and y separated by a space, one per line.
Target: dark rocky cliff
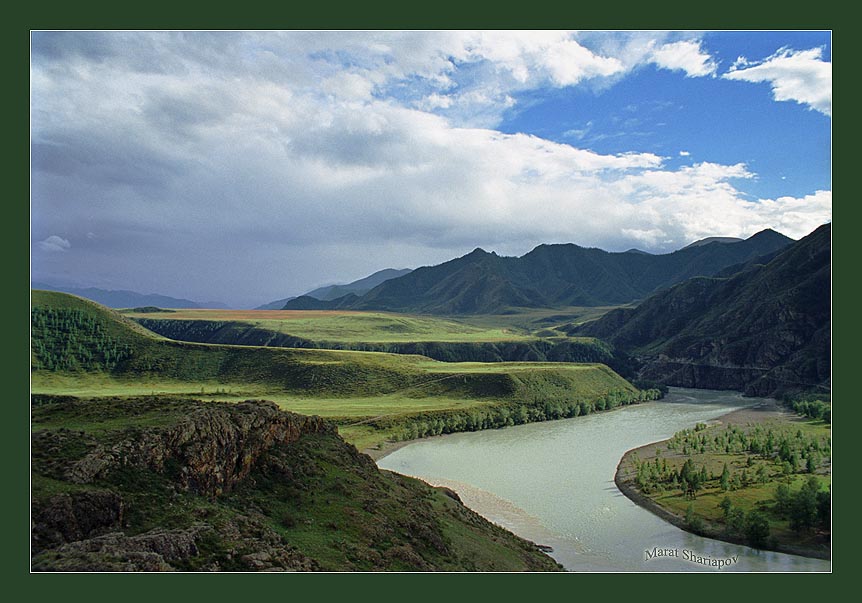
pixel 162 484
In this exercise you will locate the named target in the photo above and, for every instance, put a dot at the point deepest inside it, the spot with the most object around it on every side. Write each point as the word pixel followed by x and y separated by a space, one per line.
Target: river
pixel 553 483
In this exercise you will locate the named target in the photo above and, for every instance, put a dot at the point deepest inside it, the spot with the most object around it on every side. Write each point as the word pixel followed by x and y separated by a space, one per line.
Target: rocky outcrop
pixel 214 447
pixel 165 484
pixel 68 517
pixel 115 552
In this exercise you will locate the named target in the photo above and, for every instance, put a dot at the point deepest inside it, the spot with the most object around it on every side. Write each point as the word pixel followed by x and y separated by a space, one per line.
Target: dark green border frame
pixel 158 14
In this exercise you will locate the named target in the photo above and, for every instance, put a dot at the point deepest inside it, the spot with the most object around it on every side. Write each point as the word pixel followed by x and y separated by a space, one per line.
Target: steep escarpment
pixel 527 350
pixel 765 330
pixel 161 484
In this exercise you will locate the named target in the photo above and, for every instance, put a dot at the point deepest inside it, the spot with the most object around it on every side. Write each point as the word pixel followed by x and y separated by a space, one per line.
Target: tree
pixel 694 522
pixel 783 499
pixel 756 529
pixel 803 509
pixel 726 505
pixel 736 521
pixel 812 462
pixel 725 479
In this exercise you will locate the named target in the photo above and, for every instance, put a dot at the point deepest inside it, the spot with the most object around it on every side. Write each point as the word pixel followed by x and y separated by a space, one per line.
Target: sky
pixel 244 167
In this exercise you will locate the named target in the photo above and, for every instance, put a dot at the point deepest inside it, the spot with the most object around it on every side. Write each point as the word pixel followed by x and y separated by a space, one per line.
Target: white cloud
pixel 568 63
pixel 684 154
pixel 795 75
pixel 739 63
pixel 435 101
pixel 54 244
pixel 794 216
pixel 685 55
pixel 237 158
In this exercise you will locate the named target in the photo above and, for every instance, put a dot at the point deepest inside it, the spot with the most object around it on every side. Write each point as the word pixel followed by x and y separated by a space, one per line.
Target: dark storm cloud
pixel 118 158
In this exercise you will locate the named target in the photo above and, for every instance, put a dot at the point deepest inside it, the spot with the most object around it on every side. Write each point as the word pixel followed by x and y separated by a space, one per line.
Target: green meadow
pixel 346 326
pixel 83 349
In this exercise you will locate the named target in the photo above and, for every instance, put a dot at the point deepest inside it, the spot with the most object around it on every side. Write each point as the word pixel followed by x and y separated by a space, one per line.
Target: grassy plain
pixel 101 353
pixel 347 326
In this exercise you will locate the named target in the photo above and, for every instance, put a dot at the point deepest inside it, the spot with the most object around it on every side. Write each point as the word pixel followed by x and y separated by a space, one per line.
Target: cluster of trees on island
pixel 806 508
pixel 768 452
pixel 505 414
pixel 65 339
pixel 758 456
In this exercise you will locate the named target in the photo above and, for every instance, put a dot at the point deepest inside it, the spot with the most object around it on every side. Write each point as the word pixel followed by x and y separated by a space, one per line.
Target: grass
pixel 763 472
pixel 347 386
pixel 307 503
pixel 535 336
pixel 533 320
pixel 348 326
pixel 445 388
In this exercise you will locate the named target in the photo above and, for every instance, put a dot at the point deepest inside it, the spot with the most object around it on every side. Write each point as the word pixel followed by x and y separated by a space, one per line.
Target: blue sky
pixel 249 166
pixel 660 111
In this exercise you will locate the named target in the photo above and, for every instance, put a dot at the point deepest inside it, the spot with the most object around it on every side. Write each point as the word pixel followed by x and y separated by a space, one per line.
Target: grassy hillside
pixel 148 484
pixel 531 336
pixel 374 396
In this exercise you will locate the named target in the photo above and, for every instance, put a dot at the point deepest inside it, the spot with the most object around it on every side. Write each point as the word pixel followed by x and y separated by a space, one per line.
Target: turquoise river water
pixel 553 483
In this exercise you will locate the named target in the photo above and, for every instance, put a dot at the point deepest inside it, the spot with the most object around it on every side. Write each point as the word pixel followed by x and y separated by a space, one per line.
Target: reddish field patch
pixel 194 314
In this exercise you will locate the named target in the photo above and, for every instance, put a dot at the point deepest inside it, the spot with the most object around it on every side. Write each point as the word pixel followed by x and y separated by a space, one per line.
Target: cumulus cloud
pixel 684 154
pixel 685 55
pixel 794 75
pixel 55 244
pixel 253 164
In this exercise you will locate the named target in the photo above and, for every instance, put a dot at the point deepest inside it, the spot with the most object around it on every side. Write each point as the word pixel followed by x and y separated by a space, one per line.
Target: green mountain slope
pixel 153 484
pixel 549 276
pixel 764 330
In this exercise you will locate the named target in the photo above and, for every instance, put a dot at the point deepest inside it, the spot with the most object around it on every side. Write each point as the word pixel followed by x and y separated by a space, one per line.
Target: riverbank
pixel 625 480
pixel 387 447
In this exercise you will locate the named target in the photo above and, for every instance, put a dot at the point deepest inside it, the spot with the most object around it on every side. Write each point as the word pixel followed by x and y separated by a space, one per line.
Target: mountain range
pixel 330 292
pixel 548 276
pixel 128 299
pixel 764 329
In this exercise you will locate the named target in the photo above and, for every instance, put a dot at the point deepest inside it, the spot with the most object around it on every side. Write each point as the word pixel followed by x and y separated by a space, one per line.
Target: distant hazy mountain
pixel 128 299
pixel 763 330
pixel 360 287
pixel 276 305
pixel 333 292
pixel 552 276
